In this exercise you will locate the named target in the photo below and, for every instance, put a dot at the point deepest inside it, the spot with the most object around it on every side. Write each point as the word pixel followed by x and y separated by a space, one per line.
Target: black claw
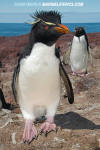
pixel 46 134
pixel 35 137
pixel 41 131
pixel 26 142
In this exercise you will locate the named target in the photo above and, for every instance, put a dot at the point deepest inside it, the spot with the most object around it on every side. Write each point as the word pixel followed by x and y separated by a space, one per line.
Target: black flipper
pixel 15 81
pixel 65 78
pixel 87 42
pixel 67 83
pixel 24 53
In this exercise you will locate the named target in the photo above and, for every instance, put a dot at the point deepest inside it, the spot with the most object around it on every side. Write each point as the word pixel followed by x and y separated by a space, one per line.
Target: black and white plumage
pixel 79 52
pixel 36 79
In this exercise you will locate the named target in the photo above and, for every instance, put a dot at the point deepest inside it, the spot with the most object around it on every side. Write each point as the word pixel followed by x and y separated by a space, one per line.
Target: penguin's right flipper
pixel 22 54
pixel 67 84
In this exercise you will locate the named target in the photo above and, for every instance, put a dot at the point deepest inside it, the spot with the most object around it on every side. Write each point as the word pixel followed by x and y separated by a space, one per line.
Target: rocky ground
pixel 78 124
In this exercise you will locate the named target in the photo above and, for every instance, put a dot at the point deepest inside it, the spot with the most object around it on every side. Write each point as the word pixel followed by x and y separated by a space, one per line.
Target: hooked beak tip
pixel 62 28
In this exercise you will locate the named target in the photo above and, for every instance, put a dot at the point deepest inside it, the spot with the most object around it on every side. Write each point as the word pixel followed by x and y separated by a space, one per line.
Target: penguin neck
pixel 40 47
pixel 46 41
pixel 80 38
pixel 33 39
pixel 41 50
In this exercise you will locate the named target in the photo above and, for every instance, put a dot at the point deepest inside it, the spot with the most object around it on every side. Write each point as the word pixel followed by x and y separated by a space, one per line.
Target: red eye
pixel 46 27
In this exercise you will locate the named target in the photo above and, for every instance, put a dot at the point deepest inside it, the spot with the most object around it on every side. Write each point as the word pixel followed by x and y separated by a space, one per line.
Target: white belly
pixel 79 55
pixel 39 79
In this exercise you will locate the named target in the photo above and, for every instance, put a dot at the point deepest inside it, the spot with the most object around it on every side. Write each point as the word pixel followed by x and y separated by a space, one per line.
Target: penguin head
pixel 47 27
pixel 79 31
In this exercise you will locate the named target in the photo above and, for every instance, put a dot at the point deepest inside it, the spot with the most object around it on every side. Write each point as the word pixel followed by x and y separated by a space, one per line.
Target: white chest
pixel 79 54
pixel 41 67
pixel 42 58
pixel 79 47
pixel 39 78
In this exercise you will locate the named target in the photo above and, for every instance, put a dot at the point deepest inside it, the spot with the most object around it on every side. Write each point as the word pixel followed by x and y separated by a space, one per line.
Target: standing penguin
pixel 36 79
pixel 79 52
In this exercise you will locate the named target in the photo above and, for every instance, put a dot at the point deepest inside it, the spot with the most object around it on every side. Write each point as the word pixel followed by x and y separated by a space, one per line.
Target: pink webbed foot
pixel 76 74
pixel 30 132
pixel 85 74
pixel 79 74
pixel 48 126
pixel 73 73
pixel 89 74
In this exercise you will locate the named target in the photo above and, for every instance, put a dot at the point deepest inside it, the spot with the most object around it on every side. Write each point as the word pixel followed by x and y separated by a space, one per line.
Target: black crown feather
pixel 49 16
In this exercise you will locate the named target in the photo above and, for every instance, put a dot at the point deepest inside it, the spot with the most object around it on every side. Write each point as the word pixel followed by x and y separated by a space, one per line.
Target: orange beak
pixel 62 28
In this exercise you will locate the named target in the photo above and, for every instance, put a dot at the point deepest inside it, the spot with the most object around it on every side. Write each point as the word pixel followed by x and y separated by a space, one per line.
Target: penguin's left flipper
pixel 15 82
pixel 65 78
pixel 67 84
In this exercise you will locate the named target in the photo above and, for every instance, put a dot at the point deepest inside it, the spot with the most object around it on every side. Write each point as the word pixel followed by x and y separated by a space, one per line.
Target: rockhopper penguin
pixel 79 52
pixel 36 79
